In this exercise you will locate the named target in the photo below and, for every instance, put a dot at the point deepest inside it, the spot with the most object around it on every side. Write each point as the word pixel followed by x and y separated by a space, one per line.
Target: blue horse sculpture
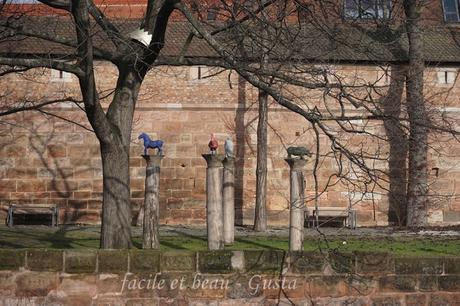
pixel 152 144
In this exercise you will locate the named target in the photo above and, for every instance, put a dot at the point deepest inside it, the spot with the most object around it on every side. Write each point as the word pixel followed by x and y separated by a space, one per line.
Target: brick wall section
pixel 46 160
pixel 103 277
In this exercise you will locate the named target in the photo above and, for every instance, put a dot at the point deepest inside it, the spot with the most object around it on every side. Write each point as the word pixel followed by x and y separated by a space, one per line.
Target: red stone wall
pixel 146 277
pixel 44 159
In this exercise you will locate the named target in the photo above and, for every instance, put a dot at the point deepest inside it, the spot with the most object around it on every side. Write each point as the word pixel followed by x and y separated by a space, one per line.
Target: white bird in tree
pixel 228 146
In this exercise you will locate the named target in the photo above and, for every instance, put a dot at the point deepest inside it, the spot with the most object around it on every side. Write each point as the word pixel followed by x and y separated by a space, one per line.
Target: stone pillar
pixel 214 214
pixel 297 203
pixel 229 200
pixel 151 224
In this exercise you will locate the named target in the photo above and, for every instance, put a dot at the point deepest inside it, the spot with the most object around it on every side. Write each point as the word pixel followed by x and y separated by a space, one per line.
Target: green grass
pixel 45 237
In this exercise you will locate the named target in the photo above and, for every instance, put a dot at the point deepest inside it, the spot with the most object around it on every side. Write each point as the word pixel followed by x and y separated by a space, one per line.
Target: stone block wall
pixel 145 277
pixel 47 160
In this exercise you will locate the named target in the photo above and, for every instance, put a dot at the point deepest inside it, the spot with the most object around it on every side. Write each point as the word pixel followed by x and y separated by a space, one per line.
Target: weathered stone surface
pixel 7 284
pixel 178 261
pixel 11 259
pixel 418 266
pixel 44 260
pixel 114 261
pixel 144 302
pixel 289 302
pixel 330 286
pixel 387 301
pixel 110 283
pixel 416 299
pixel 341 262
pixel 245 286
pixel 175 284
pixel 407 283
pixel 283 287
pixel 207 286
pixel 449 283
pixel 81 286
pixel 80 261
pixel 30 284
pixel 443 299
pixel 144 261
pixel 362 285
pixel 215 262
pixel 452 265
pixel 245 302
pixel 374 262
pixel 265 261
pixel 177 301
pixel 451 216
pixel 428 283
pixel 306 262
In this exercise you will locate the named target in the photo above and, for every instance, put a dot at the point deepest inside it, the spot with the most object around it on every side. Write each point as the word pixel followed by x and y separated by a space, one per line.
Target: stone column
pixel 214 214
pixel 151 224
pixel 297 203
pixel 229 200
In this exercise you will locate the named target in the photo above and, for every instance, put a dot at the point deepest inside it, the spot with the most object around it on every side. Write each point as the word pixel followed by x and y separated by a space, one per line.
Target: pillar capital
pixel 214 160
pixel 153 160
pixel 296 164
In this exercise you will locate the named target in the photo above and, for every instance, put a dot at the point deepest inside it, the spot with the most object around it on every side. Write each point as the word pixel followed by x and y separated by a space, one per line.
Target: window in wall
pixel 60 76
pixel 451 10
pixel 212 13
pixel 199 72
pixel 367 9
pixel 447 76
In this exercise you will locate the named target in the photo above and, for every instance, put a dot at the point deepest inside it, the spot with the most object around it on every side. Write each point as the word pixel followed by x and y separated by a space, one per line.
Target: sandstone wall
pixel 136 277
pixel 44 159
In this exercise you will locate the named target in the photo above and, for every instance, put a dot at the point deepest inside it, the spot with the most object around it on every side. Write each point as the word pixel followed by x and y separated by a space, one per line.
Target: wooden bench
pixel 37 209
pixel 345 215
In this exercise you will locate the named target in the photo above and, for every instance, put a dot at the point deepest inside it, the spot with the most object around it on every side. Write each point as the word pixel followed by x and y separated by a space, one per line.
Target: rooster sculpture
pixel 213 144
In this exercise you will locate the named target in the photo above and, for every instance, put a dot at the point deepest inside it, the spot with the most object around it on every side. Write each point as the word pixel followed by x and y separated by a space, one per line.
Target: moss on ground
pixel 84 238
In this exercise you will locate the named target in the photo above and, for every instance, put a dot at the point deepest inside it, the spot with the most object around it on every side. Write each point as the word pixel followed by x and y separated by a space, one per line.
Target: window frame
pixel 378 10
pixel 457 5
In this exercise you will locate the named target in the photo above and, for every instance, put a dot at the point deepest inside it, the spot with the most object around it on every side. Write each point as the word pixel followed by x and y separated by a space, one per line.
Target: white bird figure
pixel 228 146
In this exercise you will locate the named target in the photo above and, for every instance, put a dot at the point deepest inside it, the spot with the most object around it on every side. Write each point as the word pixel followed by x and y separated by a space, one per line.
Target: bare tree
pixel 349 106
pixel 418 139
pixel 260 215
pixel 133 58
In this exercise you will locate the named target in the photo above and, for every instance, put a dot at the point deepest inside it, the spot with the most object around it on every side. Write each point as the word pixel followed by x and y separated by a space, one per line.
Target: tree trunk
pixel 116 208
pixel 417 184
pixel 116 214
pixel 397 163
pixel 260 216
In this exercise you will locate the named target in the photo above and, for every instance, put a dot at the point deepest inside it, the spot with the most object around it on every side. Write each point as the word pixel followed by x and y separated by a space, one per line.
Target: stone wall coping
pixel 91 261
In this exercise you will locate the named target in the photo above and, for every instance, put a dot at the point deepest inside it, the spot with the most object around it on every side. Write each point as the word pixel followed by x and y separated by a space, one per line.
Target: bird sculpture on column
pixel 213 144
pixel 228 146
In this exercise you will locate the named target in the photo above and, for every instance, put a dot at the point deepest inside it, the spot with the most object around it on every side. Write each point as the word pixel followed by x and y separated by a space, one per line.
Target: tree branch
pixel 29 105
pixel 41 63
pixel 65 5
pixel 93 108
